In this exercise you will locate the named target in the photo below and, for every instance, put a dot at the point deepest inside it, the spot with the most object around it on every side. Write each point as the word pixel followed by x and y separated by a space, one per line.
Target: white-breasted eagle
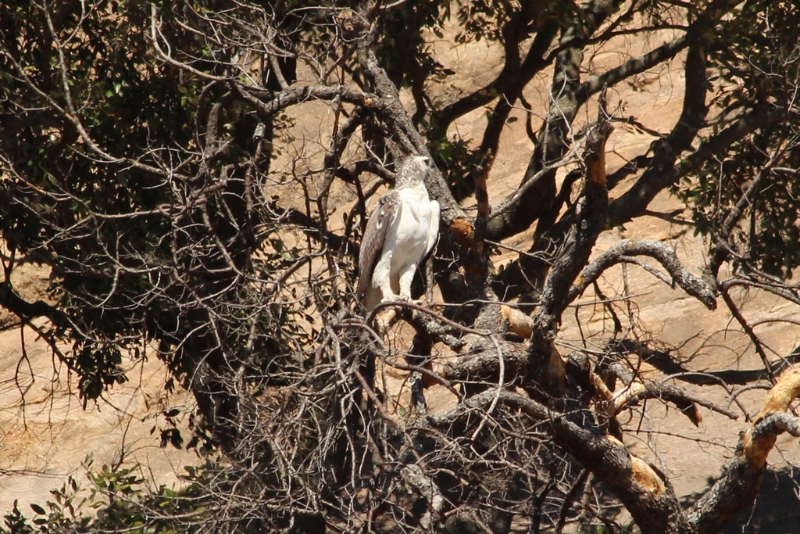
pixel 400 233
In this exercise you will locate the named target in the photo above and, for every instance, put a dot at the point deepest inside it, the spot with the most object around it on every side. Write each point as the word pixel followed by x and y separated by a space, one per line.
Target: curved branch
pixel 693 285
pixel 779 289
pixel 741 479
pixel 155 32
pixel 682 399
pixel 633 66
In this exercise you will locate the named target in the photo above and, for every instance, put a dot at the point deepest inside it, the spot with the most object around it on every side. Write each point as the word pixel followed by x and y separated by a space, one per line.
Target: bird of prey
pixel 400 233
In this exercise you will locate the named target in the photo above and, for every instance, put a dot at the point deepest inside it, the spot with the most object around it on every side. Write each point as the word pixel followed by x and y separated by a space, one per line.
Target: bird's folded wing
pixel 378 225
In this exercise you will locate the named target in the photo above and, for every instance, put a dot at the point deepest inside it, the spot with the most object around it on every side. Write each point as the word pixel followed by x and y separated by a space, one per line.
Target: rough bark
pixel 741 478
pixel 626 248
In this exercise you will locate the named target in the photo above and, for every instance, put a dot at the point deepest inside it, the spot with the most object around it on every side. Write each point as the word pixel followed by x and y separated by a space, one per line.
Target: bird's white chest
pixel 411 226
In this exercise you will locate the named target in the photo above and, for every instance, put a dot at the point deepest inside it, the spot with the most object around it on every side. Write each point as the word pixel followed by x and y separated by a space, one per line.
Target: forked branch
pixel 741 479
pixel 619 253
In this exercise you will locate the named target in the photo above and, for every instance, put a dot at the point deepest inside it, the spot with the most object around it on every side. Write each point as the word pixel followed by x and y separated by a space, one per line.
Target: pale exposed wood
pixel 757 445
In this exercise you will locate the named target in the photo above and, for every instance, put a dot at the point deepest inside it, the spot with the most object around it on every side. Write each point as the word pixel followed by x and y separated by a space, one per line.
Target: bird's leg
pixel 387 295
pixel 406 278
pixel 387 292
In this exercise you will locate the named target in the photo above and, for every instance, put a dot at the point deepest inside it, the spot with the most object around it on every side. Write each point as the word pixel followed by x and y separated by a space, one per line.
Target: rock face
pixel 45 434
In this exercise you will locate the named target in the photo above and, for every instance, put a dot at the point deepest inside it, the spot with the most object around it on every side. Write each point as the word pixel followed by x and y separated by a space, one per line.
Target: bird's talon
pixel 401 299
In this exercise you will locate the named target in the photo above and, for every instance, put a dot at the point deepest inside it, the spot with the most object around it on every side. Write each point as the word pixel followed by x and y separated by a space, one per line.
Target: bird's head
pixel 413 170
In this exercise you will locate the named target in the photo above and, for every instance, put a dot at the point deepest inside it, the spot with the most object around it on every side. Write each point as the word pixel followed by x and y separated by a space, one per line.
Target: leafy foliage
pixel 116 499
pixel 753 44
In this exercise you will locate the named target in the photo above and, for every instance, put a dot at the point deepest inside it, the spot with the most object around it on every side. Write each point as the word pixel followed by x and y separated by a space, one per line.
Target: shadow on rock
pixel 776 510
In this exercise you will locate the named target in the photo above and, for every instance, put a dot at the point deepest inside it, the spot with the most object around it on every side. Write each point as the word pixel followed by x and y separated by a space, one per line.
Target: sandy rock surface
pixel 45 434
